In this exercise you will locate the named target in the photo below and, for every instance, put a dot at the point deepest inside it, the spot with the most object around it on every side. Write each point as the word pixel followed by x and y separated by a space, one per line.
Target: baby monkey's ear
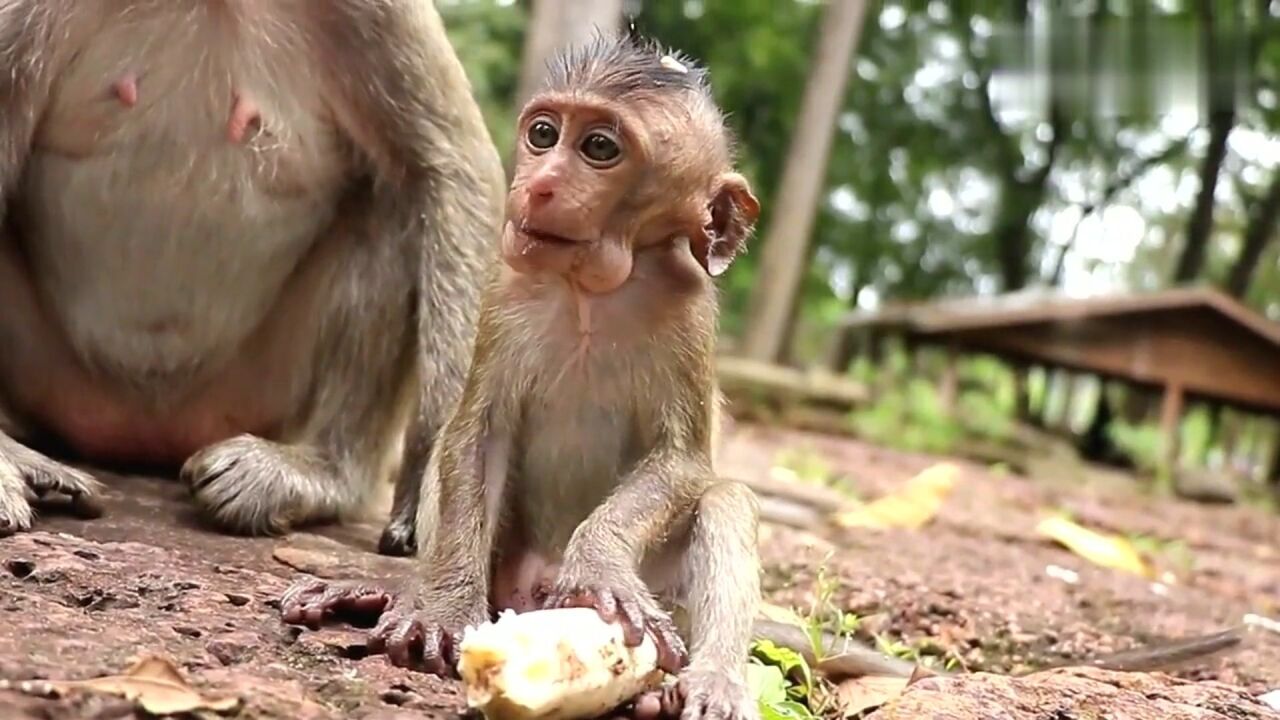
pixel 733 211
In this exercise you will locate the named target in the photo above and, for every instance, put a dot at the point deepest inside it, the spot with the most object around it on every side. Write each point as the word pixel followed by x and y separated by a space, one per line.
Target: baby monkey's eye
pixel 542 134
pixel 600 148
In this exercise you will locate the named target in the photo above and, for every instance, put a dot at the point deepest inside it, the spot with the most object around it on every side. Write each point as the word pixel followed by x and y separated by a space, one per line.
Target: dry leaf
pixel 155 685
pixel 1109 551
pixel 911 507
pixel 920 673
pixel 308 561
pixel 868 692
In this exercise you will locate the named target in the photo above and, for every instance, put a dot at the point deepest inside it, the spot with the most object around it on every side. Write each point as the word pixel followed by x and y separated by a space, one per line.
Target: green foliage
pixel 909 416
pixel 928 193
pixel 792 665
pixel 758 54
pixel 1177 552
pixel 898 649
pixel 487 35
pixel 908 412
pixel 772 690
pixel 913 208
pixel 1142 443
pixel 824 615
pixel 1196 435
pixel 809 466
pixel 780 678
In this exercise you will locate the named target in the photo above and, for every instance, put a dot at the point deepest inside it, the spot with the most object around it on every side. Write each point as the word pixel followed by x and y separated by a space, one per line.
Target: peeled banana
pixel 559 664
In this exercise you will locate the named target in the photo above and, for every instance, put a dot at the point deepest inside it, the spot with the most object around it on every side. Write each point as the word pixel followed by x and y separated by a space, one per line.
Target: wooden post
pixel 949 386
pixel 1021 391
pixel 1170 422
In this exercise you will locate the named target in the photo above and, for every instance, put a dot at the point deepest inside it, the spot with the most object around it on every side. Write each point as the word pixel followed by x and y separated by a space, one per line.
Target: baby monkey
pixel 577 468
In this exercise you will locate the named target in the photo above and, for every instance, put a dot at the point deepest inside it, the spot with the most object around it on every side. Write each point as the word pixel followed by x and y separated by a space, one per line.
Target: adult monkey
pixel 246 238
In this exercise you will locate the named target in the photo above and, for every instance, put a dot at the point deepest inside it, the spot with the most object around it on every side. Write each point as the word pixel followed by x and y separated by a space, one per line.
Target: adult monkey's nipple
pixel 244 115
pixel 126 89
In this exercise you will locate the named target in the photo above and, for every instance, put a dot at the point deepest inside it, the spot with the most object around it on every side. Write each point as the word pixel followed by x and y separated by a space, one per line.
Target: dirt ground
pixel 80 599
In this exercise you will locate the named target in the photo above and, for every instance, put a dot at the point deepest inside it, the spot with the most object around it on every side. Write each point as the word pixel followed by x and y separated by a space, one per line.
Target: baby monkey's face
pixel 598 180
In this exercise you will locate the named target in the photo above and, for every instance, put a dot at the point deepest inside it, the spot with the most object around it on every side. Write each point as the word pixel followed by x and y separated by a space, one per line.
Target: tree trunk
pixel 796 206
pixel 1200 226
pixel 787 347
pixel 1262 227
pixel 1013 241
pixel 1221 120
pixel 554 24
pixel 1022 392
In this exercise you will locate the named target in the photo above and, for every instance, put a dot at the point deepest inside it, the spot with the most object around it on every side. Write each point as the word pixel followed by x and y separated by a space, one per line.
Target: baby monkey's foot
pixel 419 641
pixel 696 695
pixel 312 603
pixel 637 613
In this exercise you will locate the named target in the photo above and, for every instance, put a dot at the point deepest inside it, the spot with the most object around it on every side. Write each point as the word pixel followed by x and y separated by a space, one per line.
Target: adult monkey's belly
pixel 158 248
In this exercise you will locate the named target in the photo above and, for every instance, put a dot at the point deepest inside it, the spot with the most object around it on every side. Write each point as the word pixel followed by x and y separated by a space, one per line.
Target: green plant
pixel 1176 552
pixel 909 416
pixel 898 649
pixel 808 466
pixel 1142 443
pixel 774 691
pixel 909 413
pixel 780 679
pixel 824 616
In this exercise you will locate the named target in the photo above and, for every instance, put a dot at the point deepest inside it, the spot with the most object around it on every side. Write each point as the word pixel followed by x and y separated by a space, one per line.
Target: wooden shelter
pixel 1188 343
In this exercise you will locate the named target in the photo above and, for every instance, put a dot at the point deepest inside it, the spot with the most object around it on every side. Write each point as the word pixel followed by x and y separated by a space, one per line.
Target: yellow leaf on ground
pixel 1109 551
pixel 156 686
pixel 912 507
pixel 861 694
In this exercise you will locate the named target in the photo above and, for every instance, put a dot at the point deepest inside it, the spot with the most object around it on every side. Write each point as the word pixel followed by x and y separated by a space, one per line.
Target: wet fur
pixel 581 455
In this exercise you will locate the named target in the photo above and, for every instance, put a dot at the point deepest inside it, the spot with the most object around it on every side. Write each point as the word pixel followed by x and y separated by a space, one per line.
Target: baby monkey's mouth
pixel 543 236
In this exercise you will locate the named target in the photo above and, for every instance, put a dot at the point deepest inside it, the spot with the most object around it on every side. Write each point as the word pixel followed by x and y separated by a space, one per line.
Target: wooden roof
pixel 1196 339
pixel 1033 307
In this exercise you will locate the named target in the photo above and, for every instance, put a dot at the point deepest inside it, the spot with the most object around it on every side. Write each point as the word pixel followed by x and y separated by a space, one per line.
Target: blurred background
pixel 1011 230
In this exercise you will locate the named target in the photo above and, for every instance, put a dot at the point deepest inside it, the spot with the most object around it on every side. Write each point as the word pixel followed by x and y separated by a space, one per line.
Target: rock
pixel 1072 693
pixel 232 648
pixel 1206 486
pixel 73 608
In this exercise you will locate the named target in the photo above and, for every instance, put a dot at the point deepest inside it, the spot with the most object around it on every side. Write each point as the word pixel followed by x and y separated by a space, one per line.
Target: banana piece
pixel 560 664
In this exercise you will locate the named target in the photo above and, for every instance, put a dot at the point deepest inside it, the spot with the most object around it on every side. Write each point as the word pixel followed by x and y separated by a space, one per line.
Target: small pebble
pixel 232 648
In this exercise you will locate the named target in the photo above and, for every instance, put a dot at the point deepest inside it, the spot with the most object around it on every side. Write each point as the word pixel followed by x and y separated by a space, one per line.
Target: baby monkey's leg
pixel 720 579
